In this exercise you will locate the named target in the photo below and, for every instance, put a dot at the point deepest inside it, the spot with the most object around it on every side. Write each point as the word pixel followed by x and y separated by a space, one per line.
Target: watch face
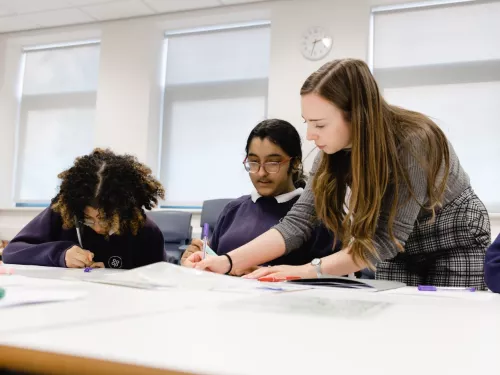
pixel 316 262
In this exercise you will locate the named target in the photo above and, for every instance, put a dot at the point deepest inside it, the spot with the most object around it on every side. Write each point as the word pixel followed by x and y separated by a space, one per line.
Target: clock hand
pixel 314 45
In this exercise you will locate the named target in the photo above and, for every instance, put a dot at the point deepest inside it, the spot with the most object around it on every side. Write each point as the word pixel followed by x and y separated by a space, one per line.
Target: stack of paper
pixel 350 283
pixel 166 275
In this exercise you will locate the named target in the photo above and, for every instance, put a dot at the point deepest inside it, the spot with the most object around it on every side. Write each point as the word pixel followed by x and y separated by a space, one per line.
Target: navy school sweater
pixel 44 242
pixel 242 220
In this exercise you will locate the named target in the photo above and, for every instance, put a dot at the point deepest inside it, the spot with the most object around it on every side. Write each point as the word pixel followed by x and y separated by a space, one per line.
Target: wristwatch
pixel 316 263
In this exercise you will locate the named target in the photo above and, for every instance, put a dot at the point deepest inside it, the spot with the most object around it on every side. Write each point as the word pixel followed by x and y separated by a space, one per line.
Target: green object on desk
pixel 2 293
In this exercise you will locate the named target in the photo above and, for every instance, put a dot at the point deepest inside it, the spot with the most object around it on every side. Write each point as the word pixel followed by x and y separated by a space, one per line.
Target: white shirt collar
pixel 279 198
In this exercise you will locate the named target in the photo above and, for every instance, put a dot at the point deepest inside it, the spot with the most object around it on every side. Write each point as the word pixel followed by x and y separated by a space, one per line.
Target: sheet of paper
pixel 20 295
pixel 338 282
pixel 16 280
pixel 309 305
pixel 59 273
pixel 166 275
pixel 444 295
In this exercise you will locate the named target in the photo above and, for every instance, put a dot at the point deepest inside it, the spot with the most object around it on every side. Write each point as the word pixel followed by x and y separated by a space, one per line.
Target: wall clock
pixel 316 43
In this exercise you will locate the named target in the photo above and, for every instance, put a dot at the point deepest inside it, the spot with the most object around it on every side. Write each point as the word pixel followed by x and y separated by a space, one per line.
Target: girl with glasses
pixel 97 219
pixel 274 163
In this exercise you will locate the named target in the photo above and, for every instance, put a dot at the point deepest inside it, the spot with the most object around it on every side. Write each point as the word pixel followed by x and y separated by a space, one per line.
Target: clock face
pixel 316 43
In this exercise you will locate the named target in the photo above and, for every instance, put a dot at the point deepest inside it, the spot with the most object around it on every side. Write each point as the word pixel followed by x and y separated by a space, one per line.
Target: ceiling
pixel 17 15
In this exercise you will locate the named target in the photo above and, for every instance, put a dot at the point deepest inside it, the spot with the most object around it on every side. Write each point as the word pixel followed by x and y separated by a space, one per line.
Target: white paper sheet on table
pixel 445 295
pixel 60 273
pixel 17 280
pixel 22 295
pixel 166 275
pixel 341 306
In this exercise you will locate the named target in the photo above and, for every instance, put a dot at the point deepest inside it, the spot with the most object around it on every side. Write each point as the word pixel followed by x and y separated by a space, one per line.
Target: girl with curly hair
pixel 97 219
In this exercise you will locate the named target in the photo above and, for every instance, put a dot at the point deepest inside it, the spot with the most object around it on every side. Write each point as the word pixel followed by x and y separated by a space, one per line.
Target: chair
pixel 210 213
pixel 177 231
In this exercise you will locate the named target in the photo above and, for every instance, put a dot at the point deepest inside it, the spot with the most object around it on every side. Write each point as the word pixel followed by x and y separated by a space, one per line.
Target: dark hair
pixel 284 135
pixel 118 185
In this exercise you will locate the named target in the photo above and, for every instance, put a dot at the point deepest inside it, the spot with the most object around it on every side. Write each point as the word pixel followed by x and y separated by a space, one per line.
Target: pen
pixel 78 234
pixel 205 239
pixel 430 288
pixel 272 279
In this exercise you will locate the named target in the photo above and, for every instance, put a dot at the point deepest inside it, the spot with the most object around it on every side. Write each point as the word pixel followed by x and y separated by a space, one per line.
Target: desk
pixel 103 303
pixel 216 333
pixel 51 363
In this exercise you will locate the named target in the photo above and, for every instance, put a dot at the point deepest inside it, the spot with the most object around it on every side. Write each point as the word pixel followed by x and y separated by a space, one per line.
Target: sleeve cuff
pixel 62 257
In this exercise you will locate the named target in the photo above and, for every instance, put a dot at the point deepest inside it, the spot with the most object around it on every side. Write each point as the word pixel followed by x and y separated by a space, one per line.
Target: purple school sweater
pixel 492 266
pixel 242 220
pixel 44 242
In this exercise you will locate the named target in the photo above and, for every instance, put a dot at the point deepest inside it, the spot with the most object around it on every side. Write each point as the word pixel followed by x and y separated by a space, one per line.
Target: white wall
pixel 8 114
pixel 129 92
pixel 347 20
pixel 129 97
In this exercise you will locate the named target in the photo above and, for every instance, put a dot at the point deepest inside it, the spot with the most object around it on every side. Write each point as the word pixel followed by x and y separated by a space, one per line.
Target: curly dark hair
pixel 119 186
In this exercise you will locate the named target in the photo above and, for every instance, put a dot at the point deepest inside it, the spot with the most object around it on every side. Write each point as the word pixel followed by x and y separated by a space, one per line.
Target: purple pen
pixel 205 239
pixel 430 288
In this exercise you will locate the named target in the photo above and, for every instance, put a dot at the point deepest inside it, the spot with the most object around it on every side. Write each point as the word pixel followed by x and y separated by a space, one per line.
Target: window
pixel 56 122
pixel 444 61
pixel 215 93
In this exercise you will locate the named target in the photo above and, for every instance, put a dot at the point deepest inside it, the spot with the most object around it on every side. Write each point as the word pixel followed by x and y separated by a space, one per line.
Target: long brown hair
pixel 382 135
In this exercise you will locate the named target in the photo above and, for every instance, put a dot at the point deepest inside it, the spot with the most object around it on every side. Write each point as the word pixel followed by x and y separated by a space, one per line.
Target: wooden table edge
pixel 40 362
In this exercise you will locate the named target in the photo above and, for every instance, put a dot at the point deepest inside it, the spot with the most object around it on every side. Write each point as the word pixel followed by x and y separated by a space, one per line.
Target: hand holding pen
pixel 195 246
pixel 76 257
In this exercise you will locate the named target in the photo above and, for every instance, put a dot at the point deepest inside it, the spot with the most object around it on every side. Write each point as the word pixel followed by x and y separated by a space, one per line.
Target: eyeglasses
pixel 92 222
pixel 269 167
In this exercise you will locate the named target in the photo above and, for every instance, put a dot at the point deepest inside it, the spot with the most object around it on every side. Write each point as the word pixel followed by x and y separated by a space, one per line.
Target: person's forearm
pixel 340 263
pixel 266 247
pixel 49 254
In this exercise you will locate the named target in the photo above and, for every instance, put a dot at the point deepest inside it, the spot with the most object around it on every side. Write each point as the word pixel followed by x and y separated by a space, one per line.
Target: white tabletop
pixel 102 302
pixel 305 332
